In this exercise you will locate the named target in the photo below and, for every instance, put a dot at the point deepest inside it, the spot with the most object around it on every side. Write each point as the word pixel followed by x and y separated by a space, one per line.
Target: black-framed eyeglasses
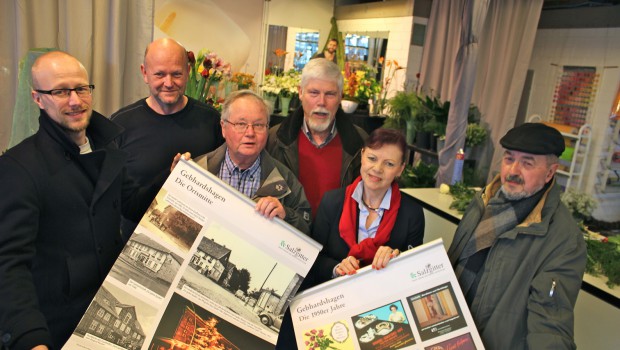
pixel 243 126
pixel 81 91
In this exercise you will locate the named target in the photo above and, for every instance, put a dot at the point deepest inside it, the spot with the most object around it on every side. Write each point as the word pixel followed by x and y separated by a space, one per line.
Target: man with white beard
pixel 319 142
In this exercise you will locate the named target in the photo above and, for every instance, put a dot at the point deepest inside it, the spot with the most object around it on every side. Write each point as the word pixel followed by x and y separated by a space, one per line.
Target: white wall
pixel 596 47
pixel 311 14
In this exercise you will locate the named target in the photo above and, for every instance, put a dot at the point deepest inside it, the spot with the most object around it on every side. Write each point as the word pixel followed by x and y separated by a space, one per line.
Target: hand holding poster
pixel 414 303
pixel 203 270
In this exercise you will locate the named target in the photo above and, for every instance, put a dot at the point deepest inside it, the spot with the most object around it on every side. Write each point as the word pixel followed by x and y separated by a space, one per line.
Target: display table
pixel 597 312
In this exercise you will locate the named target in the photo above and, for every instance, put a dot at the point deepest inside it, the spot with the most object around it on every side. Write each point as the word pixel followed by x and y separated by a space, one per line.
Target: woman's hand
pixel 348 266
pixel 383 256
pixel 270 207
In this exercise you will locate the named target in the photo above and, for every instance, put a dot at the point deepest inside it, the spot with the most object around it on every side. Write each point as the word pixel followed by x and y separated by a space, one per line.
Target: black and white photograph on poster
pixel 436 311
pixel 146 265
pixel 386 327
pixel 185 325
pixel 169 223
pixel 224 268
pixel 115 319
pixel 461 342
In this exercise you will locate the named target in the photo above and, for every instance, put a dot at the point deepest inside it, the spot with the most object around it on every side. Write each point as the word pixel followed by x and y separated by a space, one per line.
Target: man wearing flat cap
pixel 518 254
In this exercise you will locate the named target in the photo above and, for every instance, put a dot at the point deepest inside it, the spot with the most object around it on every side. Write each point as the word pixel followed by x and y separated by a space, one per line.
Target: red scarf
pixel 366 249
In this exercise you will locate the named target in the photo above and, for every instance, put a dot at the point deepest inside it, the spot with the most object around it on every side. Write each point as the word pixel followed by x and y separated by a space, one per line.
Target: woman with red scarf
pixel 369 222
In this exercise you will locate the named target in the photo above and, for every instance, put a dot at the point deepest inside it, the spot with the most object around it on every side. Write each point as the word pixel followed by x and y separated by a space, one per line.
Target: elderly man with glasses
pixel 243 163
pixel 63 192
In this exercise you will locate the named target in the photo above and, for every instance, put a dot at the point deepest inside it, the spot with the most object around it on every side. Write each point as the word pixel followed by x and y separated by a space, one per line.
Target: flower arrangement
pixel 392 66
pixel 270 86
pixel 205 70
pixel 243 80
pixel 285 85
pixel 318 340
pixel 289 83
pixel 580 204
pixel 360 84
pixel 276 69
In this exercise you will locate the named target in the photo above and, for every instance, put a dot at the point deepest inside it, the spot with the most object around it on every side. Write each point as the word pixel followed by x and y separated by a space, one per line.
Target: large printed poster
pixel 202 270
pixel 415 303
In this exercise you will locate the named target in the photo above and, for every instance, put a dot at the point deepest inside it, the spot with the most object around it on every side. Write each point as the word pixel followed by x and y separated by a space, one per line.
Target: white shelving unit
pixel 609 174
pixel 574 168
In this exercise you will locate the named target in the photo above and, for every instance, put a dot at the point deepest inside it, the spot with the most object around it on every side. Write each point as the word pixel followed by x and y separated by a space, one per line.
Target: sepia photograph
pixel 146 264
pixel 235 274
pixel 117 318
pixel 169 223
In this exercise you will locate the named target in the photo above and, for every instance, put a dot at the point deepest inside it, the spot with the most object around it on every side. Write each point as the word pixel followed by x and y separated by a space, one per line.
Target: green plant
pixel 462 195
pixel 437 112
pixel 580 204
pixel 419 175
pixel 475 135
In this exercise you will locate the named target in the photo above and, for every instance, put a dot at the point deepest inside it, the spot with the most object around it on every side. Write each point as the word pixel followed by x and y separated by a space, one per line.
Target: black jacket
pixel 59 229
pixel 408 232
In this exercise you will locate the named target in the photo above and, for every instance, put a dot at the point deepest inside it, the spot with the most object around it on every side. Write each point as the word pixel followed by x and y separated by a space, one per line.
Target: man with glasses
pixel 243 163
pixel 158 126
pixel 319 142
pixel 63 191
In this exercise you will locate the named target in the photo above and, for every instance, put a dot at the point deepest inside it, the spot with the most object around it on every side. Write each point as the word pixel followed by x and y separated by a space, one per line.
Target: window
pixel 356 47
pixel 306 45
pixel 100 312
pixel 93 325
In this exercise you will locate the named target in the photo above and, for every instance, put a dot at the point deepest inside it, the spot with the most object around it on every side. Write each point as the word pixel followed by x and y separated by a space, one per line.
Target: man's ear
pixel 36 97
pixel 551 172
pixel 143 70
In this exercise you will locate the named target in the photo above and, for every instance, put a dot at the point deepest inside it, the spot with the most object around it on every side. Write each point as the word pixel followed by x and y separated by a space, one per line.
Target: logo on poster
pixel 428 270
pixel 293 251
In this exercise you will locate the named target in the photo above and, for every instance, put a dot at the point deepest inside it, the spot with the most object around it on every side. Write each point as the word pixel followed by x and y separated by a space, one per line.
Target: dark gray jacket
pixel 295 202
pixel 514 307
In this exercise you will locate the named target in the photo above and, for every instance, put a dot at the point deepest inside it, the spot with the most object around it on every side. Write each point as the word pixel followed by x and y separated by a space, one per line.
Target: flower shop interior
pixel 508 62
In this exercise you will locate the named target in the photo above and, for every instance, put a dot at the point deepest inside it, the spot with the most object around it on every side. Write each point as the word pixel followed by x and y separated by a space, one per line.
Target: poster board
pixel 203 270
pixel 415 303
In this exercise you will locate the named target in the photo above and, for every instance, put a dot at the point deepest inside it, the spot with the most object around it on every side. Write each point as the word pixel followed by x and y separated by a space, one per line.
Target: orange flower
pixel 280 52
pixel 381 59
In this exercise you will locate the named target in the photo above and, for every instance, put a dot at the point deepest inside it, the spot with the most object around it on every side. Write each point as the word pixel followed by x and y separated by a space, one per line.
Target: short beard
pixel 519 195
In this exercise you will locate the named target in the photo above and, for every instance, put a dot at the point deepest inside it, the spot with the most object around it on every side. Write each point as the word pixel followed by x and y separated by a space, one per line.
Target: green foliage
pixel 406 106
pixel 437 115
pixel 475 135
pixel 604 258
pixel 420 175
pixel 462 195
pixel 580 204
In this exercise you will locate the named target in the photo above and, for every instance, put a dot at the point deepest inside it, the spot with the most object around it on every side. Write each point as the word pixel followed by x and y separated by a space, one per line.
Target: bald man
pixel 167 121
pixel 63 191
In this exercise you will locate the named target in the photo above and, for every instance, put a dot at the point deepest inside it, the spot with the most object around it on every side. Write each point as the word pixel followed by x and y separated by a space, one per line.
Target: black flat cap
pixel 534 138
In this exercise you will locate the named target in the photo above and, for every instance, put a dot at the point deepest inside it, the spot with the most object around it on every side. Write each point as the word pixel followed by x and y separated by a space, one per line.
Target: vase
pixel 285 102
pixel 423 139
pixel 410 132
pixel 348 106
pixel 271 101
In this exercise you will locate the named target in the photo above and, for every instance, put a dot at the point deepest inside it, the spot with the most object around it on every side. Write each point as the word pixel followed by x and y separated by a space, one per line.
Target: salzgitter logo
pixel 294 251
pixel 428 270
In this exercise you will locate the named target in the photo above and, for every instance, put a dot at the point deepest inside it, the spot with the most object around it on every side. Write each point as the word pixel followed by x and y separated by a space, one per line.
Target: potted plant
pixel 404 113
pixel 475 135
pixel 360 85
pixel 420 175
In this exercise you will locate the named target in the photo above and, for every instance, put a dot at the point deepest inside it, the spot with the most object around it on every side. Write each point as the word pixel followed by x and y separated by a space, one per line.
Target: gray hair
pixel 239 94
pixel 321 68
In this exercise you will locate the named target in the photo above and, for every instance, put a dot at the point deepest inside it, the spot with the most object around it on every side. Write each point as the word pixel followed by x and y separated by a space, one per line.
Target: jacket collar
pixel 352 141
pixel 535 222
pixel 100 130
pixel 270 175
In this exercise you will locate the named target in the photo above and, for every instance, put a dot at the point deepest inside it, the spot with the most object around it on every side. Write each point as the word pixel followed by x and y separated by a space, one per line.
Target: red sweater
pixel 319 168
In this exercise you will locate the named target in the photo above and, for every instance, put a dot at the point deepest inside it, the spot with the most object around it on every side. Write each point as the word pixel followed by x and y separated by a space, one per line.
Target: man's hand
pixel 270 207
pixel 175 160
